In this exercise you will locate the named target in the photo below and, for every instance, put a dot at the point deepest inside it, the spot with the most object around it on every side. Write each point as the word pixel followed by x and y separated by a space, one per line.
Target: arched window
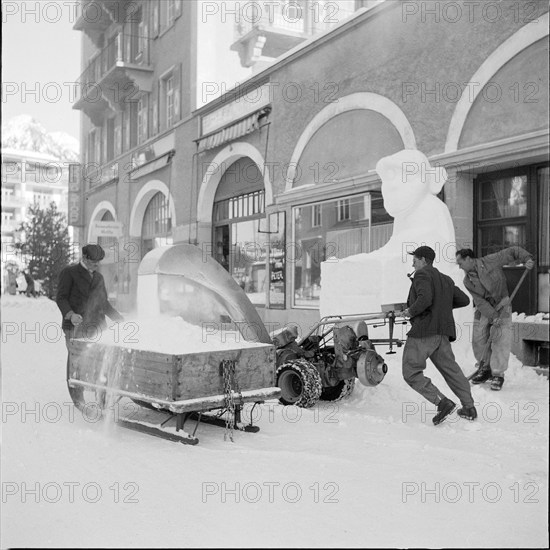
pixel 108 244
pixel 239 205
pixel 156 229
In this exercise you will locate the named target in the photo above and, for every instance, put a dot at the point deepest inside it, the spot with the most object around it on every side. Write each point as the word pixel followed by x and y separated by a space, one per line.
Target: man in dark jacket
pixel 486 282
pixel 82 300
pixel 430 307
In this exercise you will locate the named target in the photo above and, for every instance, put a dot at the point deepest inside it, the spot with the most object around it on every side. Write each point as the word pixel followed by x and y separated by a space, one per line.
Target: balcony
pixel 93 19
pixel 120 73
pixel 118 9
pixel 272 32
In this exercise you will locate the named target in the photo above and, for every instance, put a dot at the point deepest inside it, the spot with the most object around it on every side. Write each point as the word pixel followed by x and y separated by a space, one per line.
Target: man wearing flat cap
pixel 430 304
pixel 82 300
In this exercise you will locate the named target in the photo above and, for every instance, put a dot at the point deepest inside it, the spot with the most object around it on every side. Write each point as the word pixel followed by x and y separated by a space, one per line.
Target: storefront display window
pixel 238 245
pixel 347 227
pixel 503 213
pixel 543 216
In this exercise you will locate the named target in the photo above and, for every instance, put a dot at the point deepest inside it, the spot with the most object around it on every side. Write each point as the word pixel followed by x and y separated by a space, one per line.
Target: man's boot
pixel 444 408
pixel 497 383
pixel 469 413
pixel 482 375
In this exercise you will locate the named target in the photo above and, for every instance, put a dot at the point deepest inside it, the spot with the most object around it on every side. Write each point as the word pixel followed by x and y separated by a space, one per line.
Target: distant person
pixel 430 304
pixel 486 283
pixel 82 300
pixel 30 284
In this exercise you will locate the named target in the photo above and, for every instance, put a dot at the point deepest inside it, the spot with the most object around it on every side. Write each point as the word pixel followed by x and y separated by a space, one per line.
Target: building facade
pixel 275 175
pixel 30 178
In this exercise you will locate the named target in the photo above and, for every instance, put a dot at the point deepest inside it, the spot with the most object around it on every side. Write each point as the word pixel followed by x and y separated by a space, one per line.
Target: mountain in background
pixel 24 133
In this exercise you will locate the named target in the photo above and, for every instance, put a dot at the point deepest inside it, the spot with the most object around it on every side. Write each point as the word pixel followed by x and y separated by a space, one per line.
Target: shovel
pixel 499 306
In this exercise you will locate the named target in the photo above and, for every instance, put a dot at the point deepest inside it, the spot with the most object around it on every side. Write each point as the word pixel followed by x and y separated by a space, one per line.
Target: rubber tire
pixel 300 383
pixel 342 390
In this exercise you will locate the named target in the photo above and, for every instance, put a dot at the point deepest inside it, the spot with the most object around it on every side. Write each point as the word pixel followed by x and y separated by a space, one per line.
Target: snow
pixel 171 335
pixel 365 472
pixel 522 318
pixel 24 133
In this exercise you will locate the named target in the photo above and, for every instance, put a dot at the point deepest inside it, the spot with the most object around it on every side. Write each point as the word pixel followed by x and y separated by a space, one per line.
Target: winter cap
pixel 424 252
pixel 93 252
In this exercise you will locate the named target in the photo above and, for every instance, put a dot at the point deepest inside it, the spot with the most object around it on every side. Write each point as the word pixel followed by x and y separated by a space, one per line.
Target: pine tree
pixel 45 244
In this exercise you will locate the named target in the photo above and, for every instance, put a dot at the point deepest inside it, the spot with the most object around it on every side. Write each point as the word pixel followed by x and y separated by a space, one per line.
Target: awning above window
pixel 151 165
pixel 232 132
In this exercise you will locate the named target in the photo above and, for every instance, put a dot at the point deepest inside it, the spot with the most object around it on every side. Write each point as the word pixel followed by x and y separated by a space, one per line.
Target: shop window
pixel 238 245
pixel 502 213
pixel 156 228
pixel 543 219
pixel 512 209
pixel 346 228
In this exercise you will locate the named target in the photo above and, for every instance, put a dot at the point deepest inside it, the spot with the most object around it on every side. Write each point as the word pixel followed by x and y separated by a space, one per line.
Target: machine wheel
pixel 343 389
pixel 300 383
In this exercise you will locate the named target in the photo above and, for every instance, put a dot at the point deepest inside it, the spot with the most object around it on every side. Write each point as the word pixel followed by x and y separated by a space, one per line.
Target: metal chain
pixel 229 381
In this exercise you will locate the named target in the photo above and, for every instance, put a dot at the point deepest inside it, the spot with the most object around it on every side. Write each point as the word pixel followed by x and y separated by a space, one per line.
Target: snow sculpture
pixel 363 282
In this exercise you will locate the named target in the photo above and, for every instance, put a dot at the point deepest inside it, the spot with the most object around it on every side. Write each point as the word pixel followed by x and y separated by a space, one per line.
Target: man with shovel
pixel 492 332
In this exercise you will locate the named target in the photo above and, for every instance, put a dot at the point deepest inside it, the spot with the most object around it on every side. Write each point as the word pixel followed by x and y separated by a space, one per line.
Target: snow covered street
pixel 371 471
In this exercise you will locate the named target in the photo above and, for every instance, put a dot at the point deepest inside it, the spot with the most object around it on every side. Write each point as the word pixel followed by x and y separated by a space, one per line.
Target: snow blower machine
pixel 152 391
pixel 325 364
pixel 156 391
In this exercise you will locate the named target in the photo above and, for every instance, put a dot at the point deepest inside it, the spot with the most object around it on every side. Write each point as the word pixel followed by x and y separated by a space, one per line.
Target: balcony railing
pixel 308 20
pixel 122 50
pixel 121 69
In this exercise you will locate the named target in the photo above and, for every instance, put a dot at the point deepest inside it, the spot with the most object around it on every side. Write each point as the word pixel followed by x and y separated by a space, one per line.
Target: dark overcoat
pixel 431 300
pixel 82 293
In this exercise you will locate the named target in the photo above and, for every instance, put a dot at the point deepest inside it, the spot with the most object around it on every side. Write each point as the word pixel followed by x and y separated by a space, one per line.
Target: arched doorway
pixel 238 244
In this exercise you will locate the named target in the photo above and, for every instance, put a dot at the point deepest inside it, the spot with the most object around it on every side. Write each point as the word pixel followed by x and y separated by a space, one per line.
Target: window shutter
pixel 155 18
pixel 145 100
pixel 155 109
pixel 145 40
pixel 177 92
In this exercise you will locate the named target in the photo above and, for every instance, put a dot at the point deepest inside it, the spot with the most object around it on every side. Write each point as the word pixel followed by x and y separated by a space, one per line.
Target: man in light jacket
pixel 485 281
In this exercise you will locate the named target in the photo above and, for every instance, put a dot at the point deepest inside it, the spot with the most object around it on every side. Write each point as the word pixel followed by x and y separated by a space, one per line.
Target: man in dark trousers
pixel 430 304
pixel 30 284
pixel 82 300
pixel 485 281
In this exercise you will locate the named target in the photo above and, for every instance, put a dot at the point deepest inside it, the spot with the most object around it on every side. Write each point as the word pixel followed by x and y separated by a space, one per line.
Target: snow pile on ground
pixel 371 471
